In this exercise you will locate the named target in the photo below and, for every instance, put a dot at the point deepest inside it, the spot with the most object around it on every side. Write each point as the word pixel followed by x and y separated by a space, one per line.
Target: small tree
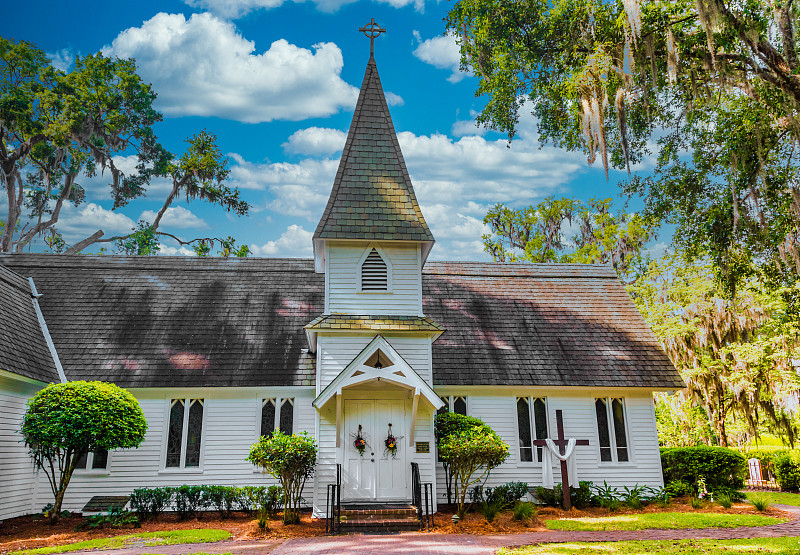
pixel 450 423
pixel 291 459
pixel 66 421
pixel 471 455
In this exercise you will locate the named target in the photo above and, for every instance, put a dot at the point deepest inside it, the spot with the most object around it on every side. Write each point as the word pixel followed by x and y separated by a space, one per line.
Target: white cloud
pixel 175 217
pixel 79 222
pixel 299 190
pixel 238 8
pixel 175 251
pixel 204 67
pixel 294 243
pixel 442 53
pixel 467 127
pixel 315 140
pixel 62 59
pixel 394 99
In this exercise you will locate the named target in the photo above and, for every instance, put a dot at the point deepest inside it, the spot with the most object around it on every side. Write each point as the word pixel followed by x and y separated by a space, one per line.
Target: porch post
pixel 338 419
pixel 413 418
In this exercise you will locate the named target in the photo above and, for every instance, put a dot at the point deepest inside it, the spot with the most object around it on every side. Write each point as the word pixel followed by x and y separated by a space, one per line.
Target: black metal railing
pixel 333 504
pixel 422 497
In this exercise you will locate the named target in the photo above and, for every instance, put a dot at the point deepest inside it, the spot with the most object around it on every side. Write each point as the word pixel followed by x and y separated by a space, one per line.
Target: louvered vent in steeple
pixel 374 274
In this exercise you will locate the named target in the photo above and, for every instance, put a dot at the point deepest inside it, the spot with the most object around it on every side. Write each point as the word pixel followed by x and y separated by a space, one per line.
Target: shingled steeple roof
pixel 372 196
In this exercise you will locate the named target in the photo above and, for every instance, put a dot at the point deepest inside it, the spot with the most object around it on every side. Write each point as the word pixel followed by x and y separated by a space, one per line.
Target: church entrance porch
pixel 375 474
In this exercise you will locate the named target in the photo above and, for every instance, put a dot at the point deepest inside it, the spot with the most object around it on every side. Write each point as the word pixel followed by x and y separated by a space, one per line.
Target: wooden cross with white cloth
pixel 566 448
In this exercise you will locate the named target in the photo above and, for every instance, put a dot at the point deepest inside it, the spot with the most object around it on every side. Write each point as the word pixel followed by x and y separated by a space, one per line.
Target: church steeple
pixel 372 197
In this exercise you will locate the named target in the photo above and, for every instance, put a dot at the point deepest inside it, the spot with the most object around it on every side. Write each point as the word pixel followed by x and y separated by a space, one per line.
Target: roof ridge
pixel 4 276
pixel 372 196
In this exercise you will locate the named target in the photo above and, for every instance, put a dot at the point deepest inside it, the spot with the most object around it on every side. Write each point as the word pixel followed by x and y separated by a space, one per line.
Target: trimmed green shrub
pixel 787 469
pixel 292 460
pixel 446 424
pixel 719 466
pixel 472 454
pixel 66 421
pixel 507 493
pixel 222 498
pixel 148 503
pixel 189 501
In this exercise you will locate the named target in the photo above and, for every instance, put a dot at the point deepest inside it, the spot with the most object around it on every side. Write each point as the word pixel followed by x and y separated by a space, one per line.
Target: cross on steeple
pixel 372 30
pixel 562 442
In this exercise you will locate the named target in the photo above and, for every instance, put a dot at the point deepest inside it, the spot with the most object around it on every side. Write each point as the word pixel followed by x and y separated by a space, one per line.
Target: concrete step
pixel 378 518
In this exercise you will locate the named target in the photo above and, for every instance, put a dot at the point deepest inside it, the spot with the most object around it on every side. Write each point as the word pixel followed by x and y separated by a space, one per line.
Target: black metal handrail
pixel 333 504
pixel 421 493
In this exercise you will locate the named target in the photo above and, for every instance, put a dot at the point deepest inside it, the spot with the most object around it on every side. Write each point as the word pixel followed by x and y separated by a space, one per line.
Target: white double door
pixel 375 475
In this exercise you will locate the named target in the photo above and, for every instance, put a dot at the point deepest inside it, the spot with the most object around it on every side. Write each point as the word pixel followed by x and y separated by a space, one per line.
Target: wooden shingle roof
pixel 23 350
pixel 372 196
pixel 372 322
pixel 177 321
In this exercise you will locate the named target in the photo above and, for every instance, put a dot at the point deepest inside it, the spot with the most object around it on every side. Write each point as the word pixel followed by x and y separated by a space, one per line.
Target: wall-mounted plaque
pixel 423 447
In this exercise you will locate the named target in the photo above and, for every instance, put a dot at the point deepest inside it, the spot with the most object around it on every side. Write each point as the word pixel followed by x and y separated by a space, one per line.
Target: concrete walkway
pixel 459 544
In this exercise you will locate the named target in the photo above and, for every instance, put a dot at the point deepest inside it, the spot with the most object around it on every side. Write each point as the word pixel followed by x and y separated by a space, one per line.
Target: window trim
pixel 278 406
pixel 532 417
pixel 386 261
pixel 89 471
pixel 612 431
pixel 451 399
pixel 187 404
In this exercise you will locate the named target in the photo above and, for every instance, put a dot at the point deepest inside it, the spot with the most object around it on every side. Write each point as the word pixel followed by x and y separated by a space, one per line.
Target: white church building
pixel 366 337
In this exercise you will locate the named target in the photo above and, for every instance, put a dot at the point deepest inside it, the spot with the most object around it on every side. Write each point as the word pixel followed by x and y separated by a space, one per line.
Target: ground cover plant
pixel 146 539
pixel 783 545
pixel 666 521
pixel 780 498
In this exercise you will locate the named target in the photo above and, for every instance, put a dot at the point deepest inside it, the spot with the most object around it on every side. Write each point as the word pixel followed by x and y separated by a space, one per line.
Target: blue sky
pixel 277 82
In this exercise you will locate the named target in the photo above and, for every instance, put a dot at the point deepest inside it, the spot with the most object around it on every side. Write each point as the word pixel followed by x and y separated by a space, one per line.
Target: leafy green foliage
pixel 724 501
pixel 148 503
pixel 760 502
pixel 710 83
pixel 228 248
pixel 787 470
pixel 58 128
pixel 189 500
pixel 143 241
pixel 266 500
pixel 446 424
pixel 472 454
pixel 721 467
pixel 733 353
pixel 537 234
pixel 292 460
pixel 66 421
pixel 680 488
pixel 524 511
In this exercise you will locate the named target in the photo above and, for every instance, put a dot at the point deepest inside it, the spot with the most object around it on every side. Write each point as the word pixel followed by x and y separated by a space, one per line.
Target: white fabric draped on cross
pixel 547 462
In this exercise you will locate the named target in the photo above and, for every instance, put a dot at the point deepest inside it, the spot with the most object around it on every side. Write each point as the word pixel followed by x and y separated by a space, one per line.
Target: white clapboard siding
pixel 17 482
pixel 231 425
pixel 337 351
pixel 343 280
pixel 644 467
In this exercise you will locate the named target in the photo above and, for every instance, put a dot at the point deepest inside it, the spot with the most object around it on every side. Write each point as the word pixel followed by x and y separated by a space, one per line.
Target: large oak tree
pixel 58 128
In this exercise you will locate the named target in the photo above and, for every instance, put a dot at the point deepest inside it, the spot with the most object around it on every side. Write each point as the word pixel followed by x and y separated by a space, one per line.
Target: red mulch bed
pixel 30 532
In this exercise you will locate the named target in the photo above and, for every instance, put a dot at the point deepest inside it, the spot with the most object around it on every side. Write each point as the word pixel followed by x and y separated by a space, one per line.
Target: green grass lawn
pixel 145 539
pixel 778 497
pixel 669 521
pixel 668 547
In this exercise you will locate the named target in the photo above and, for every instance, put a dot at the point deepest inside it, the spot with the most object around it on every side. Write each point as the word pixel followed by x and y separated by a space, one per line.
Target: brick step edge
pixel 380 522
pixel 386 514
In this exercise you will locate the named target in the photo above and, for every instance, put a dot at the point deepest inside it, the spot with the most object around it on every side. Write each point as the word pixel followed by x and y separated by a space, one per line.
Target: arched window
pixel 374 273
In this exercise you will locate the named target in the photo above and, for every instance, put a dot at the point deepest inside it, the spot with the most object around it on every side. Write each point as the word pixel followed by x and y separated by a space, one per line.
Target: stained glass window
pixel 194 433
pixel 175 433
pixel 460 405
pixel 287 416
pixel 540 420
pixel 446 407
pixel 524 429
pixel 100 459
pixel 267 417
pixel 602 429
pixel 82 461
pixel 619 429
